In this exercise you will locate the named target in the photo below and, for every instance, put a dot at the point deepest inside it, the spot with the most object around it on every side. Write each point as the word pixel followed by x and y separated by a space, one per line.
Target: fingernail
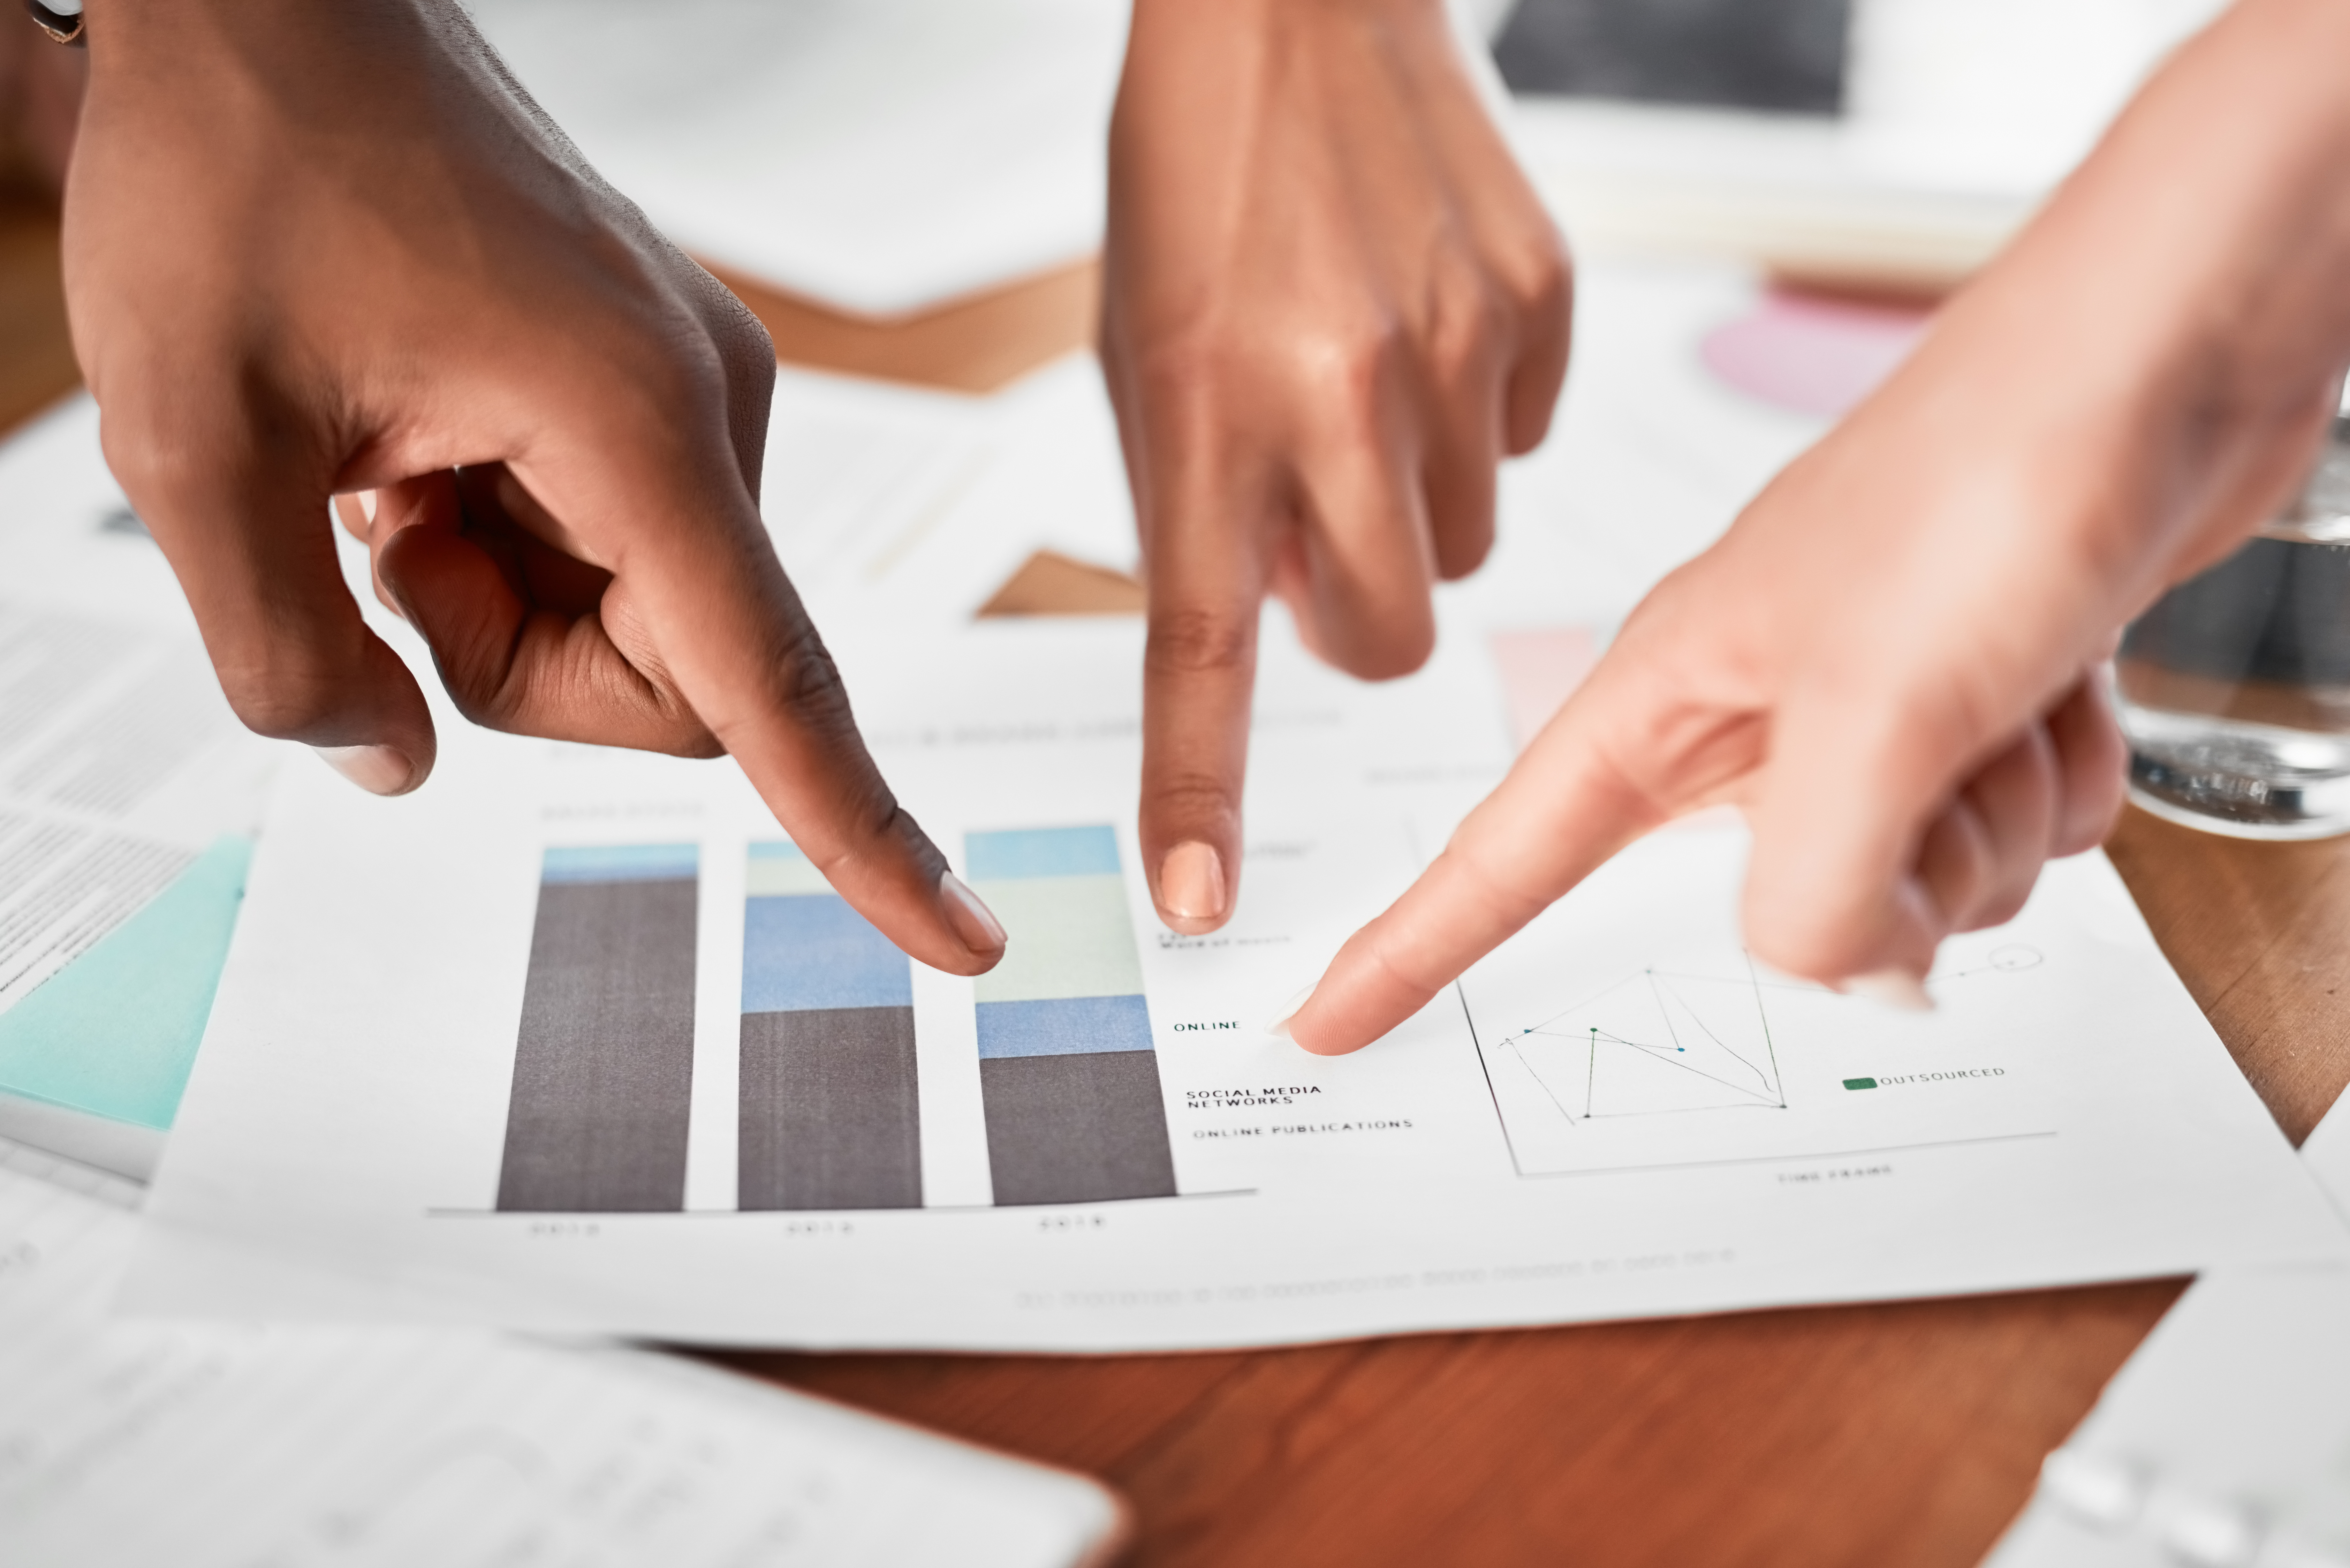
pixel 1894 988
pixel 1279 1027
pixel 379 770
pixel 973 921
pixel 1191 882
pixel 367 504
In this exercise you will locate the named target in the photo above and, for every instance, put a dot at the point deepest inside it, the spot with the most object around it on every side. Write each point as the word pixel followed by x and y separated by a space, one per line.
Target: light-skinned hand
pixel 1892 663
pixel 1333 305
pixel 318 250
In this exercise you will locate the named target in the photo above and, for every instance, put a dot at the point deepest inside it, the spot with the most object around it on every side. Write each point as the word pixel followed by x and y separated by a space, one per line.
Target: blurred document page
pixel 120 762
pixel 139 1443
pixel 577 1039
pixel 879 155
pixel 2226 1439
pixel 896 505
pixel 128 792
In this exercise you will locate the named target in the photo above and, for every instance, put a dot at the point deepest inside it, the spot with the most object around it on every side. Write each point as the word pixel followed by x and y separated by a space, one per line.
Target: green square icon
pixel 1860 1083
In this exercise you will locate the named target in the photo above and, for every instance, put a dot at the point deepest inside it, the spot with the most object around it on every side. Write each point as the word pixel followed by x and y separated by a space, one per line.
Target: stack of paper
pixel 137 1443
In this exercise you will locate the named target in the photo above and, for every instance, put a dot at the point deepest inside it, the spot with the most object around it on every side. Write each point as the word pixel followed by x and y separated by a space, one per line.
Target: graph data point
pixel 1658 1041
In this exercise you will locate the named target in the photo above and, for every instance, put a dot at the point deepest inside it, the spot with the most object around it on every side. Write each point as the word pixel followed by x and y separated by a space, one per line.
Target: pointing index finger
pixel 1198 675
pixel 1564 810
pixel 735 638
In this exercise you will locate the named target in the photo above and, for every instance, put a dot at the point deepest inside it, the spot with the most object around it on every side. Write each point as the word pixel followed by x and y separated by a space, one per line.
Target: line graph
pixel 1670 1061
pixel 1654 1042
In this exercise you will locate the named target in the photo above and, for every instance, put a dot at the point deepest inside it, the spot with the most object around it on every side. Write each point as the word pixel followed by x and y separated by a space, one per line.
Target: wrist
pixel 173 39
pixel 2178 301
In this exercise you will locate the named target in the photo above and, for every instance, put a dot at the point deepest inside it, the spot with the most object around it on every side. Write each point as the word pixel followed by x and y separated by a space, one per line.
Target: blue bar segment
pixel 622 863
pixel 1066 1027
pixel 807 952
pixel 1023 853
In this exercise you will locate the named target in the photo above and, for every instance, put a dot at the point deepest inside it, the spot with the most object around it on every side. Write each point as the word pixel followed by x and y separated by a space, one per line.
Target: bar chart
pixel 1068 1074
pixel 604 1063
pixel 830 1113
pixel 827 1089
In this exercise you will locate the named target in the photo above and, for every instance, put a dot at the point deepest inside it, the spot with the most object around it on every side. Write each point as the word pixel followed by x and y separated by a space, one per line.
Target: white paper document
pixel 140 1443
pixel 905 507
pixel 2225 1442
pixel 574 1039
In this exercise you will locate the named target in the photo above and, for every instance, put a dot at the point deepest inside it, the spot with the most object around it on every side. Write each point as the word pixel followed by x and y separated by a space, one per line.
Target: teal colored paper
pixel 115 1032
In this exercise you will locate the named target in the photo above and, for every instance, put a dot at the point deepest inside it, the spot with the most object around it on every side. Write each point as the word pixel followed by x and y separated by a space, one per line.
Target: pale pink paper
pixel 1812 354
pixel 1539 667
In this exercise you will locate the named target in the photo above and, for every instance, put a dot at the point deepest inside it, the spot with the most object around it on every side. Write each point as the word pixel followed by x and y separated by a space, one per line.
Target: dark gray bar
pixel 830 1116
pixel 1077 1128
pixel 604 1070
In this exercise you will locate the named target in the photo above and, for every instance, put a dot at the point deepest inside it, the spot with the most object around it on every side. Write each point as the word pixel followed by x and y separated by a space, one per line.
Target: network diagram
pixel 1653 1042
pixel 1666 1045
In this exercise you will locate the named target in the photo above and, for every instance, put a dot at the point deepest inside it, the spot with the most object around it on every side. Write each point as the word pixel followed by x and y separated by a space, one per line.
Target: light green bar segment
pixel 779 869
pixel 1070 937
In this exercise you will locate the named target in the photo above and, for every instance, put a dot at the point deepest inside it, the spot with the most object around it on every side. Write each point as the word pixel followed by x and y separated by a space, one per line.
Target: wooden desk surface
pixel 1872 1435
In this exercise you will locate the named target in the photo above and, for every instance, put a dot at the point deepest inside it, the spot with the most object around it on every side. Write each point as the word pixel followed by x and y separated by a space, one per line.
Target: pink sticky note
pixel 1539 667
pixel 1811 354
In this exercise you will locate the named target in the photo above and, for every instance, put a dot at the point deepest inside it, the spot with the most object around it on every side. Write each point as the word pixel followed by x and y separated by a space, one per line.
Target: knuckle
pixel 1199 641
pixel 494 691
pixel 285 694
pixel 661 715
pixel 1806 957
pixel 1185 387
pixel 155 455
pixel 1469 318
pixel 745 351
pixel 1190 796
pixel 1791 929
pixel 1807 947
pixel 1540 278
pixel 804 689
pixel 679 376
pixel 1501 880
pixel 1402 646
pixel 2003 906
pixel 1186 367
pixel 1179 364
pixel 744 338
pixel 654 368
pixel 1349 372
pixel 1463 545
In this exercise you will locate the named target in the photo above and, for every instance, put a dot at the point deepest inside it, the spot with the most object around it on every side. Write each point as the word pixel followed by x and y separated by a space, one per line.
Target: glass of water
pixel 2234 689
